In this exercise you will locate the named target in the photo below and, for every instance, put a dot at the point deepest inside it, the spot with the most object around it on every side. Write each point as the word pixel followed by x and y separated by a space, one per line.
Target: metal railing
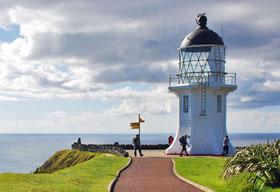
pixel 198 78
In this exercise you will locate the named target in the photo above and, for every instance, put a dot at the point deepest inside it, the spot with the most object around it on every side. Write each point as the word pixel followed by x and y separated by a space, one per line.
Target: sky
pixel 87 66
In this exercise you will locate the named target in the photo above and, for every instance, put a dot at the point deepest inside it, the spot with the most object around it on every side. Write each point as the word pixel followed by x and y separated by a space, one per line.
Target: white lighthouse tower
pixel 201 85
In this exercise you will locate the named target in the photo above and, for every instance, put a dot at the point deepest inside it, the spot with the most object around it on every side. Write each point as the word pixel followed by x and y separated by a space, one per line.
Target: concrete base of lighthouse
pixel 206 131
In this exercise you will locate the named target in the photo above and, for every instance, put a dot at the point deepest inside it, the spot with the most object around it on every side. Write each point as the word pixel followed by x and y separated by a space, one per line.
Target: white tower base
pixel 206 131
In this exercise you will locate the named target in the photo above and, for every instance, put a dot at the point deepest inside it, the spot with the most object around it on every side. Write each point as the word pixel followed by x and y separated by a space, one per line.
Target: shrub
pixel 260 162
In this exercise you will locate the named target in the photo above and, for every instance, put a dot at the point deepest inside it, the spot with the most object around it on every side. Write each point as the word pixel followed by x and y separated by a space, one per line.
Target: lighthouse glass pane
pixel 219 103
pixel 194 67
pixel 186 104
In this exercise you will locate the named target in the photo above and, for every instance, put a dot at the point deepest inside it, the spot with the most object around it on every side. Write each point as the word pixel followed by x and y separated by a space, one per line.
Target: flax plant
pixel 259 162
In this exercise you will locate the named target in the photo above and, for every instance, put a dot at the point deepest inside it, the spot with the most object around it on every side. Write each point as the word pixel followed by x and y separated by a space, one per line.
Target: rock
pixel 100 149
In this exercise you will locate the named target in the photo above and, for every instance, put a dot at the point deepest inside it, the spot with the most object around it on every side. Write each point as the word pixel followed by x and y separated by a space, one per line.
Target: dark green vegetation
pixel 92 175
pixel 259 162
pixel 208 171
pixel 63 159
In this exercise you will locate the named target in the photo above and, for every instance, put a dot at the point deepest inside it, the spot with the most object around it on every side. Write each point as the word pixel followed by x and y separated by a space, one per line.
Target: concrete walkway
pixel 151 174
pixel 152 153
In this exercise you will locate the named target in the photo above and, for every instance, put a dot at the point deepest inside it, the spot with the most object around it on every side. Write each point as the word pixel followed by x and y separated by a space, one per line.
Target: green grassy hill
pixel 93 175
pixel 63 159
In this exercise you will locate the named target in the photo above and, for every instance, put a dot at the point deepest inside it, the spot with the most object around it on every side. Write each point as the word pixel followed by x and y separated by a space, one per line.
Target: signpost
pixel 136 125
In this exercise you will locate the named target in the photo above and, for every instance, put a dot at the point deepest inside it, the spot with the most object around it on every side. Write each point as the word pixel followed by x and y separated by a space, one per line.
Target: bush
pixel 259 162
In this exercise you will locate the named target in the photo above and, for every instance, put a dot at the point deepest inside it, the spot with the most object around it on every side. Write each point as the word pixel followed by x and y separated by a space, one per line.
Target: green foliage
pixel 63 159
pixel 259 162
pixel 207 171
pixel 93 175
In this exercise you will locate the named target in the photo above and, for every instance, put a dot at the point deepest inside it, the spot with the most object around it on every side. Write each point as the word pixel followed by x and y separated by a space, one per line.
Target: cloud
pixel 138 73
pixel 258 82
pixel 254 120
pixel 89 122
pixel 260 120
pixel 71 49
pixel 154 101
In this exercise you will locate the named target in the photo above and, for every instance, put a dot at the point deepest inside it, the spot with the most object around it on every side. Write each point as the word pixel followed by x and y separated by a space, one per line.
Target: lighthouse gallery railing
pixel 198 78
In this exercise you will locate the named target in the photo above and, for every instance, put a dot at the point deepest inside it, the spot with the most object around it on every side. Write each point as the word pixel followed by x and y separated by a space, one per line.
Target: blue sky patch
pixel 10 33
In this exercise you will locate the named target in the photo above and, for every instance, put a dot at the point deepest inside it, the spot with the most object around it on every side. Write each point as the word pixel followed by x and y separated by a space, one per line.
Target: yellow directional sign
pixel 135 125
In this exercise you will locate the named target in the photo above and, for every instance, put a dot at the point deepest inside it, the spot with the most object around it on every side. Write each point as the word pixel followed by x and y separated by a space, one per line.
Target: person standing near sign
pixel 137 145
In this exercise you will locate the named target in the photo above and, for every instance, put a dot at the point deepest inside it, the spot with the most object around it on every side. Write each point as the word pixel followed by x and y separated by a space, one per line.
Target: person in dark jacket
pixel 184 143
pixel 79 141
pixel 137 145
pixel 225 145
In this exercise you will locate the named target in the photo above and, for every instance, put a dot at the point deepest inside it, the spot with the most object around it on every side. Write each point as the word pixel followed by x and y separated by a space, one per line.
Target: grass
pixel 63 159
pixel 207 171
pixel 92 175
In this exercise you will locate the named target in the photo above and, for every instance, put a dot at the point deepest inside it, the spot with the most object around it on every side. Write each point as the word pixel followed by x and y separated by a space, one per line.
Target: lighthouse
pixel 202 85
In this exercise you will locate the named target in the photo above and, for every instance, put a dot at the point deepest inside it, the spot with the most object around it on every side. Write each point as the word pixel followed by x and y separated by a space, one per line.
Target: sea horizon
pixel 24 152
pixel 106 133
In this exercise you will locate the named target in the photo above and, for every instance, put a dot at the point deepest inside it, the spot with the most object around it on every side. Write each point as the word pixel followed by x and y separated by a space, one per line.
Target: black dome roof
pixel 202 35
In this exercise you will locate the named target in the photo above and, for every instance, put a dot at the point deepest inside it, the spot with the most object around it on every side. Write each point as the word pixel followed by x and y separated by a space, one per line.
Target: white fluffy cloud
pixel 61 122
pixel 154 101
pixel 88 122
pixel 108 42
pixel 261 121
pixel 77 49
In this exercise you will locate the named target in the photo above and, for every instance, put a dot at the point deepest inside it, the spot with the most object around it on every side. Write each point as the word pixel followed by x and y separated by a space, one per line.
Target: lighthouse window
pixel 219 103
pixel 186 104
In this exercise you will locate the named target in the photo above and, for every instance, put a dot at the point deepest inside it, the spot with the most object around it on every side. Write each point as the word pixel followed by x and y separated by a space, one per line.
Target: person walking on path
pixel 137 145
pixel 225 145
pixel 184 143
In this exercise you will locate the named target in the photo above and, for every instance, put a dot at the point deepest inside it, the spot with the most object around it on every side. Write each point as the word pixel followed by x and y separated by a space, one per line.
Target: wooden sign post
pixel 136 125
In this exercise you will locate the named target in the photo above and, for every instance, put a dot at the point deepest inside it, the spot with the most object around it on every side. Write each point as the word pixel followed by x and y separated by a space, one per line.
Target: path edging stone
pixel 201 187
pixel 111 186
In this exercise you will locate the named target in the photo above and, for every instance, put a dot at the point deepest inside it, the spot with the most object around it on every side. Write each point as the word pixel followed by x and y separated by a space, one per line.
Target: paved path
pixel 151 174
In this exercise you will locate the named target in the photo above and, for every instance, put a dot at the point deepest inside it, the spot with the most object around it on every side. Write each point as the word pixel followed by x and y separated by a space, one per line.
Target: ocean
pixel 23 153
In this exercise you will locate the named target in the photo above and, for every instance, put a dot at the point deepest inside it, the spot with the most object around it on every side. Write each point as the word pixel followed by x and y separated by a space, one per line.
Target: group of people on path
pixel 183 142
